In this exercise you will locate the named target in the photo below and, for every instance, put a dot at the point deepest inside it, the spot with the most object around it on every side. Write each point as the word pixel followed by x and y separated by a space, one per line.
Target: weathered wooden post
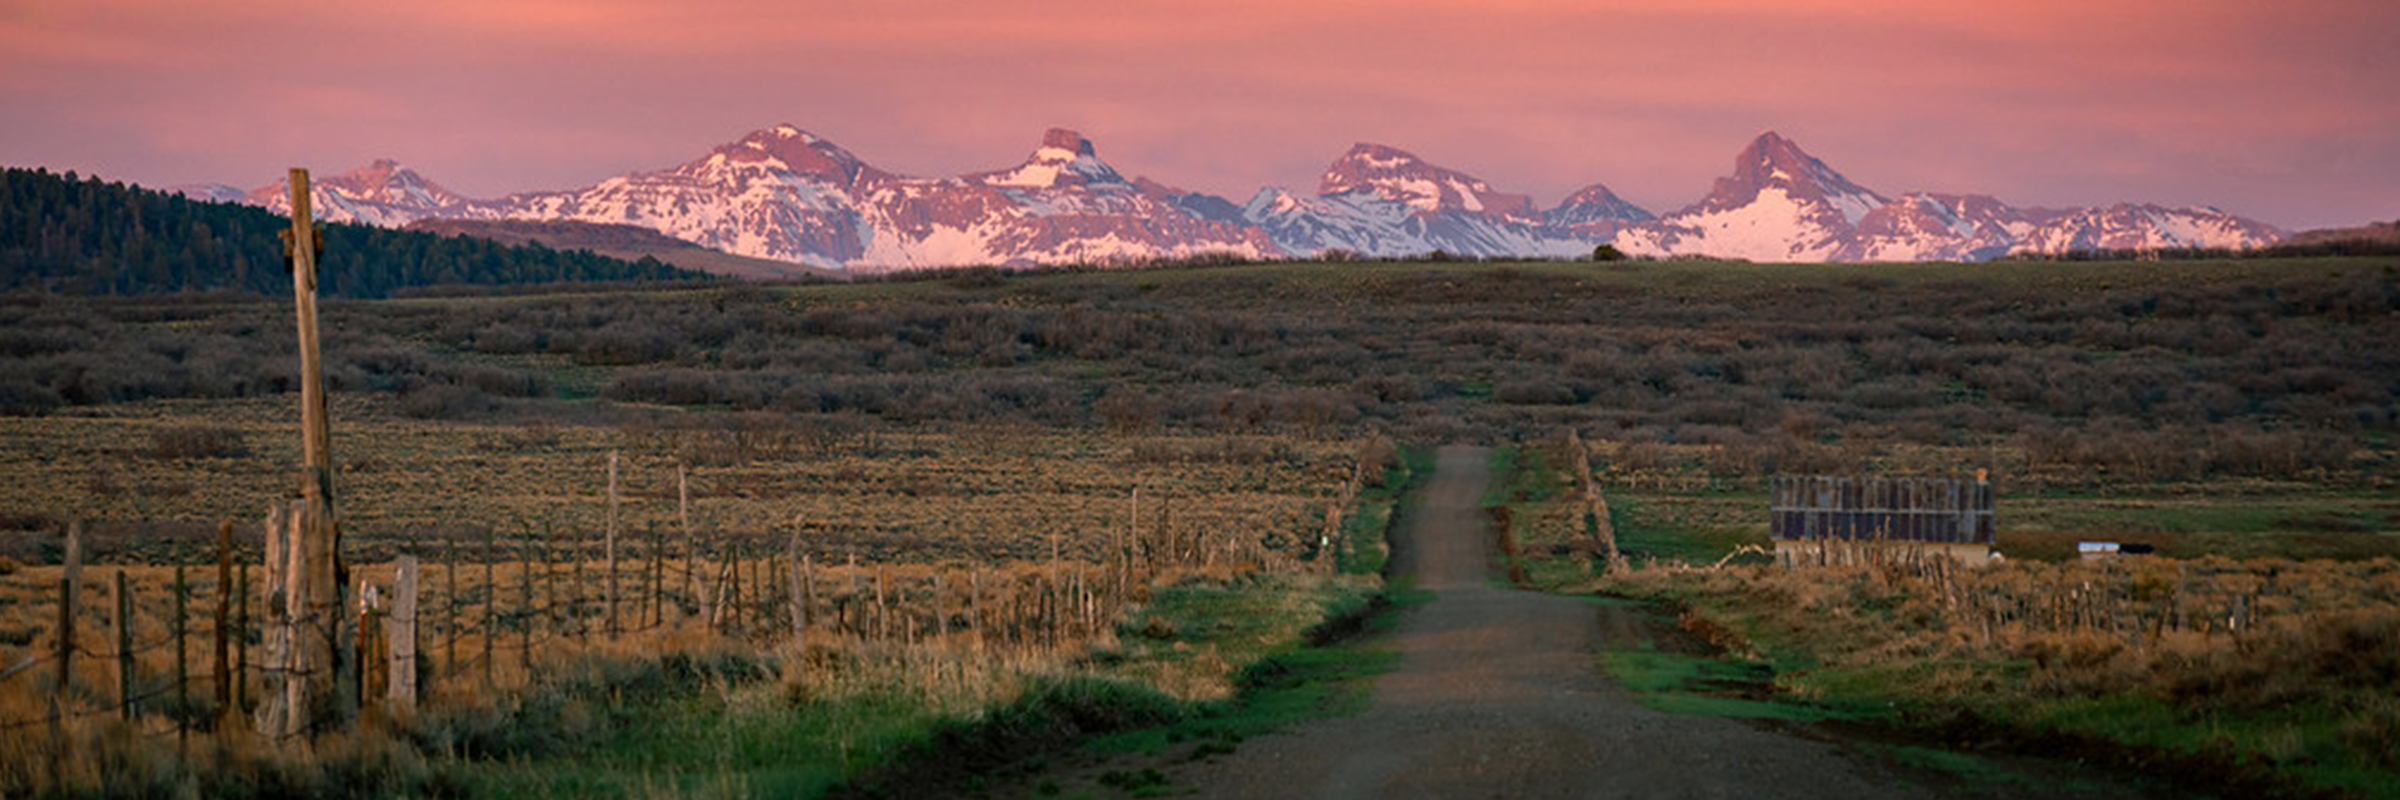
pixel 808 596
pixel 941 613
pixel 882 612
pixel 975 606
pixel 692 590
pixel 657 575
pixel 1119 551
pixel 576 593
pixel 225 678
pixel 400 629
pixel 70 580
pixel 315 582
pixel 795 594
pixel 611 545
pixel 359 679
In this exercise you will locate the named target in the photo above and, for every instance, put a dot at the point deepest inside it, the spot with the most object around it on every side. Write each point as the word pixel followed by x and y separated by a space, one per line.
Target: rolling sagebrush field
pixel 2235 408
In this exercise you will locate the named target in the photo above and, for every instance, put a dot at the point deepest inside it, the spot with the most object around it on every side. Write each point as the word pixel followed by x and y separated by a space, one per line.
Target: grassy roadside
pixel 2296 706
pixel 2116 665
pixel 1206 662
pixel 1200 668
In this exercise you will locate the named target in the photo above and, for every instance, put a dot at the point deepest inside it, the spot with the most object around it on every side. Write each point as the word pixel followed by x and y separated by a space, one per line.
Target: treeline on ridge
pixel 71 235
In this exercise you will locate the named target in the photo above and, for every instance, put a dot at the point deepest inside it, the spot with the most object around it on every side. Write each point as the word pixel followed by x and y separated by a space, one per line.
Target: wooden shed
pixel 1819 519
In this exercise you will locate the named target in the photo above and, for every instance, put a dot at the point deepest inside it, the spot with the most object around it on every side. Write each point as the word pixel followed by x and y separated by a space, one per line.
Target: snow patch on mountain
pixel 211 192
pixel 383 193
pixel 1782 204
pixel 784 193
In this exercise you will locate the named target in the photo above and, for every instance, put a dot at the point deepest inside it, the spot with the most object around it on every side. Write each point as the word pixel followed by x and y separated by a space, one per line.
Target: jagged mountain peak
pixel 384 179
pixel 377 170
pixel 1773 162
pixel 1594 205
pixel 1064 159
pixel 1364 164
pixel 1381 155
pixel 784 193
pixel 1071 141
pixel 1399 175
pixel 795 149
pixel 384 192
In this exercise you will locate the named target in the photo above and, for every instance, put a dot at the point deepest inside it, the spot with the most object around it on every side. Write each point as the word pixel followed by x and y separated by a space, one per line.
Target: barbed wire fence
pixel 454 618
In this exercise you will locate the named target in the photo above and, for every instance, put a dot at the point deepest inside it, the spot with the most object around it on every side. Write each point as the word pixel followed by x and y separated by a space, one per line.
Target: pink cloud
pixel 2277 110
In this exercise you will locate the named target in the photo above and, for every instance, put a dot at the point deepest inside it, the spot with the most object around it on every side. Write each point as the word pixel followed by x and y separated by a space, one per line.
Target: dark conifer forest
pixel 66 234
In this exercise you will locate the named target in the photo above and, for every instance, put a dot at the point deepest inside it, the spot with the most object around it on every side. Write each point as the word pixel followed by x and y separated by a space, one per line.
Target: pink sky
pixel 2285 111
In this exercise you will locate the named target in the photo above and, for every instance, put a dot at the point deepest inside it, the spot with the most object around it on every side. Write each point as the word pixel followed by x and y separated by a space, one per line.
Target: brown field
pixel 2268 671
pixel 994 428
pixel 958 562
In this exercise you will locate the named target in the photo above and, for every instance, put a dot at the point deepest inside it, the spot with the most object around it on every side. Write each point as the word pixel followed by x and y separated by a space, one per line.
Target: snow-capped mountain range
pixel 782 193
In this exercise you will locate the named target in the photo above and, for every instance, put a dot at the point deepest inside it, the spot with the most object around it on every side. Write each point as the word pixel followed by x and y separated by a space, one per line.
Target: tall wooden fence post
pixel 296 666
pixel 314 585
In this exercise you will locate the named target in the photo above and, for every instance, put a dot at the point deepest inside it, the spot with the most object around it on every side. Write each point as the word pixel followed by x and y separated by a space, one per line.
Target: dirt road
pixel 1498 694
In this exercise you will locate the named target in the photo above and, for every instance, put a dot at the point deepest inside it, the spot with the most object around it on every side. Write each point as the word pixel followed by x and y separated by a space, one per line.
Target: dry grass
pixel 2260 646
pixel 968 494
pixel 2286 667
pixel 949 566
